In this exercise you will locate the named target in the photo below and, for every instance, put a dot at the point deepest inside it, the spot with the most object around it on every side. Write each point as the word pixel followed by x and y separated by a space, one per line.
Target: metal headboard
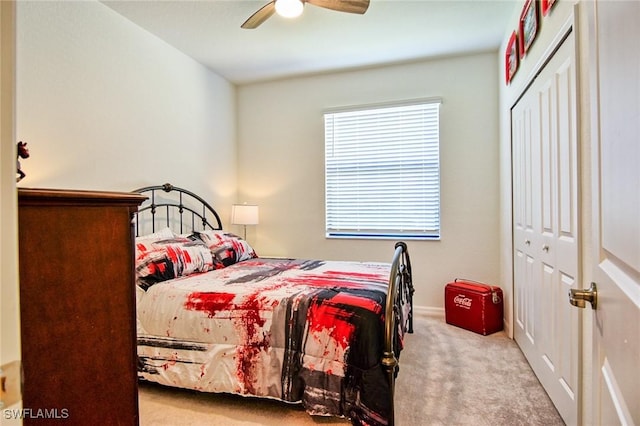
pixel 176 208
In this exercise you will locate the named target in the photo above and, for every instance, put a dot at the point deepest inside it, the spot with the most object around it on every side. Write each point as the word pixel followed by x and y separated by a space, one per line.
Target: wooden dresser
pixel 77 306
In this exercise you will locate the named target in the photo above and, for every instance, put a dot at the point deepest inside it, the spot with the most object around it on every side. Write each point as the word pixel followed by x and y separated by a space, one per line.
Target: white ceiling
pixel 321 40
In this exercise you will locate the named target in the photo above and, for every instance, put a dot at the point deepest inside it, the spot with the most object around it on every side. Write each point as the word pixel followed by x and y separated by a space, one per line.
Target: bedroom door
pixel 615 111
pixel 546 228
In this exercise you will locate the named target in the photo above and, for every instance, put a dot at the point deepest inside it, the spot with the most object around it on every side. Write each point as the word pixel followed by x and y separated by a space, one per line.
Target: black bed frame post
pixel 408 283
pixel 392 381
pixel 399 285
pixel 153 210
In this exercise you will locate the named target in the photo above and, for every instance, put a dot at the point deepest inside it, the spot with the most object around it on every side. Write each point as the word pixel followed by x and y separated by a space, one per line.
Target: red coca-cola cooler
pixel 473 306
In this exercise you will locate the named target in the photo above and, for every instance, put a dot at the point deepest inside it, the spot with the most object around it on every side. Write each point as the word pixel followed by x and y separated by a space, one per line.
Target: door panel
pixel 525 128
pixel 615 108
pixel 545 177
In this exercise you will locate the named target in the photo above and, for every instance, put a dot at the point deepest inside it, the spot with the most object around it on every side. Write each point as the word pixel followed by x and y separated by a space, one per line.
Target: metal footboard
pixel 398 315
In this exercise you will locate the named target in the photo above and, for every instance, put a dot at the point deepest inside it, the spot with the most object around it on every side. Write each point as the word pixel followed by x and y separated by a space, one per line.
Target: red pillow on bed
pixel 161 260
pixel 226 248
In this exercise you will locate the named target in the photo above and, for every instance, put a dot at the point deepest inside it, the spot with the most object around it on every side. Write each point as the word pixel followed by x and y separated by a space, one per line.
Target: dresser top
pixel 39 196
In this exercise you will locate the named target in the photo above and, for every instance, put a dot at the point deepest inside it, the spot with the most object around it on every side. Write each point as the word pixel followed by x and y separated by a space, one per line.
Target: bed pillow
pixel 226 248
pixel 163 234
pixel 166 259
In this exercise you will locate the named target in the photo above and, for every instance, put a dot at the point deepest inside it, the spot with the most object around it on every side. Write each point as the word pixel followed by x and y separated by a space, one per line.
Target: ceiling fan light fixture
pixel 293 8
pixel 289 8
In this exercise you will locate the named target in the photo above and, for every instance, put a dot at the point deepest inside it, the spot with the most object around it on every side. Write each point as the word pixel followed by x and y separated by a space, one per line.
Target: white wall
pixel 103 104
pixel 9 291
pixel 281 165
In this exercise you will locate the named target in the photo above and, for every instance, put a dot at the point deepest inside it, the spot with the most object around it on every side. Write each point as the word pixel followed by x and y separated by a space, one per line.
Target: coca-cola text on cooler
pixel 462 301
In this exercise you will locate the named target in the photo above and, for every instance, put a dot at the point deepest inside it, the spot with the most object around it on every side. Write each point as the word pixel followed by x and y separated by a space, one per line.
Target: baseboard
pixel 428 311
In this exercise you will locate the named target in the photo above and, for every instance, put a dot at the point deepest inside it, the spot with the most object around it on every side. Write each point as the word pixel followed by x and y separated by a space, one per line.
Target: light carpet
pixel 448 376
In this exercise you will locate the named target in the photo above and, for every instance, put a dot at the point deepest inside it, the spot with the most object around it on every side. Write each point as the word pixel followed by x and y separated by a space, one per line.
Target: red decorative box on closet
pixel 474 306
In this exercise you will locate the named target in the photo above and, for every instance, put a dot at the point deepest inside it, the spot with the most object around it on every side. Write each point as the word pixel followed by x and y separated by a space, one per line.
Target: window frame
pixel 434 233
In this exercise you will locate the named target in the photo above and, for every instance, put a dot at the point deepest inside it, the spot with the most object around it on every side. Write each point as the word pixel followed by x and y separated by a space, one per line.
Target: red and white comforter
pixel 296 330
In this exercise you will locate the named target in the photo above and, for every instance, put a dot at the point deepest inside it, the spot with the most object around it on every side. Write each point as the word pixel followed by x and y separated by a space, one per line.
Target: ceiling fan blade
pixel 260 16
pixel 350 6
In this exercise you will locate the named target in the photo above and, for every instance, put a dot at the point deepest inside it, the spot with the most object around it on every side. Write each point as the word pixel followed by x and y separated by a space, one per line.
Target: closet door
pixel 546 250
pixel 526 199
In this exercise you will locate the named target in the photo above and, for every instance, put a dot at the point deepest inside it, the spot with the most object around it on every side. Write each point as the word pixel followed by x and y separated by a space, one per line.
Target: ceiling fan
pixel 293 8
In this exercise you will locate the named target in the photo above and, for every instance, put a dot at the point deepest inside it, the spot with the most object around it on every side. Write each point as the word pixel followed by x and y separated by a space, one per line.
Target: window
pixel 382 171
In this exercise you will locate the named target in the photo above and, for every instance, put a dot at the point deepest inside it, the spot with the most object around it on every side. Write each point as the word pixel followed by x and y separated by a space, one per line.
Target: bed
pixel 213 316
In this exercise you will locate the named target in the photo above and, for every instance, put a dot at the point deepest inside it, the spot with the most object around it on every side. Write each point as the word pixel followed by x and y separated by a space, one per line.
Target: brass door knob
pixel 579 297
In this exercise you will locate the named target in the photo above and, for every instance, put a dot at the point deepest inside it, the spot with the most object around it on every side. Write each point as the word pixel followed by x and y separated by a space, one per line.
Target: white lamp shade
pixel 244 214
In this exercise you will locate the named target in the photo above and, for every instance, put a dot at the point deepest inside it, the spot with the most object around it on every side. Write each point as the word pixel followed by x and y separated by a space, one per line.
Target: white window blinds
pixel 382 171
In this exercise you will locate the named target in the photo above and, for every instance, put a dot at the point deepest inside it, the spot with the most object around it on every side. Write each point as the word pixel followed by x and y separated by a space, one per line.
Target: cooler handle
pixel 494 294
